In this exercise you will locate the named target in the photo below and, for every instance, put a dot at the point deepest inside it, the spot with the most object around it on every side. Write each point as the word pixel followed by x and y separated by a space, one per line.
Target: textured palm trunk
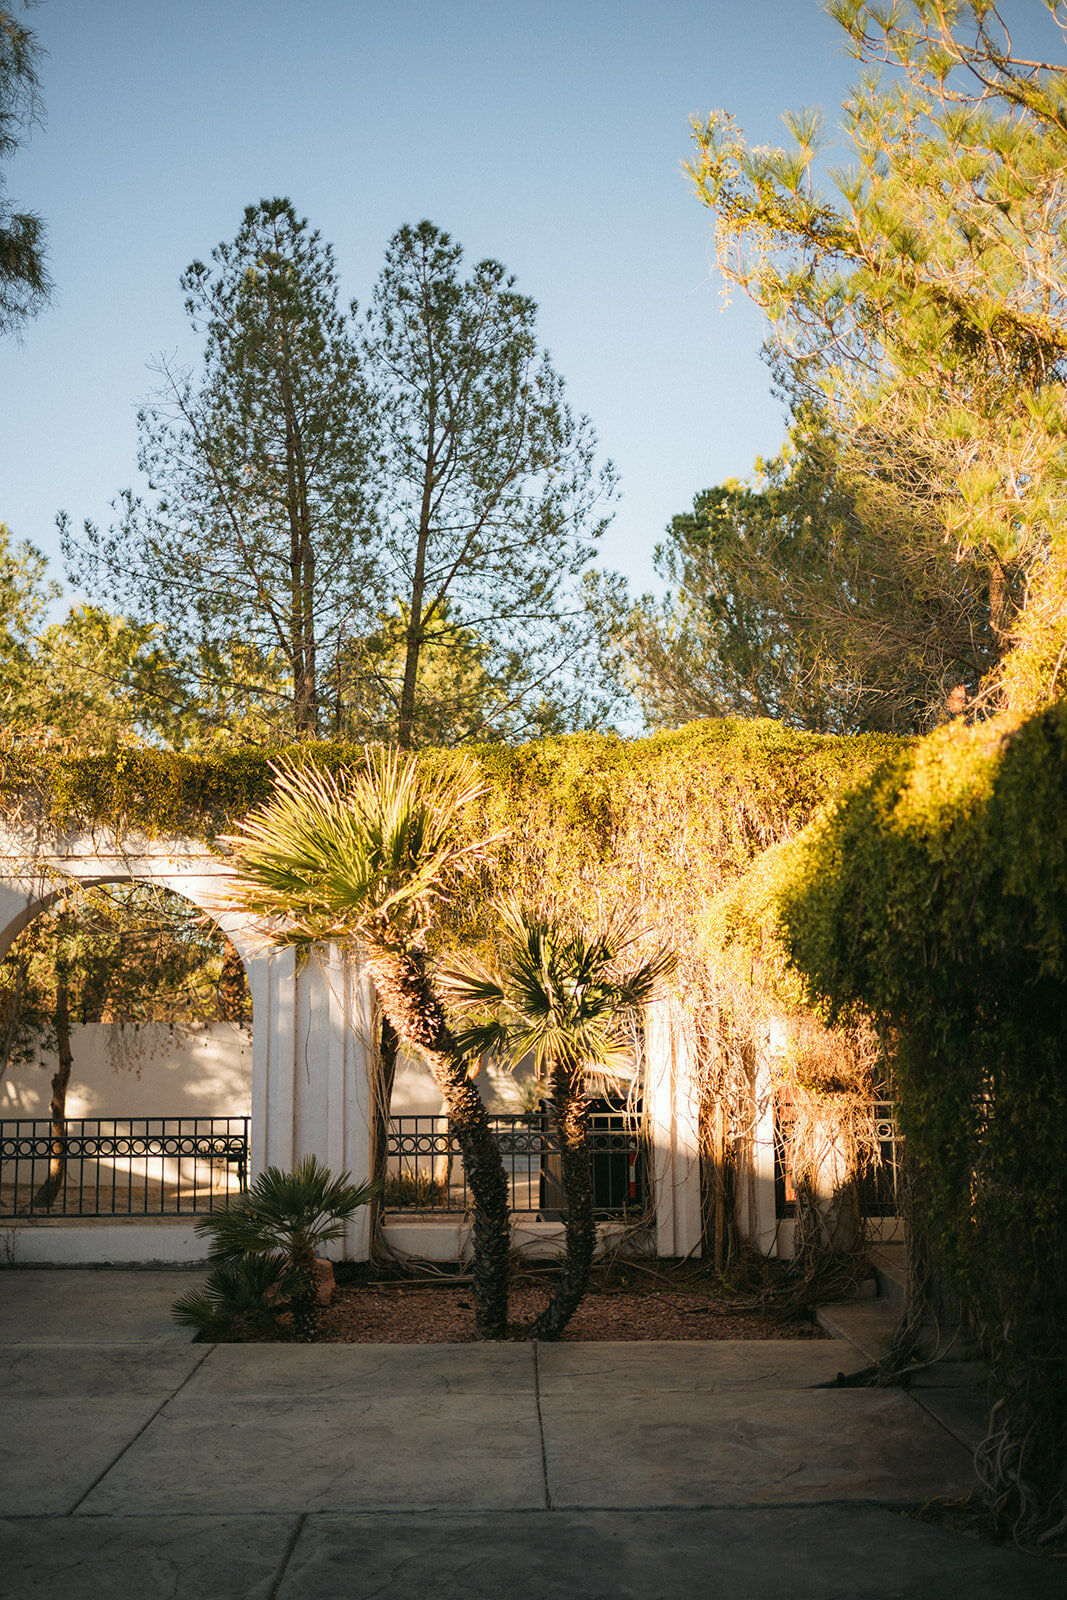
pixel 409 1002
pixel 304 1297
pixel 571 1119
pixel 232 987
pixel 381 1100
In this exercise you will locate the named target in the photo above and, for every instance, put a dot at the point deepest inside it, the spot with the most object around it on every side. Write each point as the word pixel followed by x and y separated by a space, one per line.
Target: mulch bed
pixel 639 1304
pixel 394 1315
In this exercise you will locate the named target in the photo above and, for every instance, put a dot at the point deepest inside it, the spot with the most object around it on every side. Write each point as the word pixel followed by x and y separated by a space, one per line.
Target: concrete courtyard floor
pixel 135 1462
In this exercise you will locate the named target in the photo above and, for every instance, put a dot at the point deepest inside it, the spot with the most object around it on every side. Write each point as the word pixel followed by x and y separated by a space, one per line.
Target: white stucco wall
pixel 149 1071
pixel 416 1095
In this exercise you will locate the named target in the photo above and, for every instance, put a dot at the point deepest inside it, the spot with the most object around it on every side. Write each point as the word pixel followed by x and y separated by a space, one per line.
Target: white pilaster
pixel 673 1100
pixel 763 1222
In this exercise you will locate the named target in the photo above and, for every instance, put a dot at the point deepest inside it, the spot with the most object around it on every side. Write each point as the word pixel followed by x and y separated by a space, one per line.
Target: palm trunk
pixel 46 1195
pixel 381 1098
pixel 414 1010
pixel 571 1118
pixel 232 987
pixel 304 1297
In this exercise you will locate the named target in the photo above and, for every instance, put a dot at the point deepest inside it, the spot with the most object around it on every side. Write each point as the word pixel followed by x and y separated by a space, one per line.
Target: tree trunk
pixel 301 553
pixel 571 1118
pixel 304 1297
pixel 416 620
pixel 415 1012
pixel 232 987
pixel 381 1099
pixel 46 1195
pixel 14 1012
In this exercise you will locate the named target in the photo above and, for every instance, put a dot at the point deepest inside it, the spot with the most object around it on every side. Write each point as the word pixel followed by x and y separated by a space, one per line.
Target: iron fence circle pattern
pixel 121 1166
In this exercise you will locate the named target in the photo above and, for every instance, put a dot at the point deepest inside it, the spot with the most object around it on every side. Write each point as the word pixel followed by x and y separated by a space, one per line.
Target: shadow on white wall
pixel 147 1070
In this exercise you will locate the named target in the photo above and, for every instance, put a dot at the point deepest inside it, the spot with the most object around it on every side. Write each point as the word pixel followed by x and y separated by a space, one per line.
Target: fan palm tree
pixel 367 857
pixel 563 998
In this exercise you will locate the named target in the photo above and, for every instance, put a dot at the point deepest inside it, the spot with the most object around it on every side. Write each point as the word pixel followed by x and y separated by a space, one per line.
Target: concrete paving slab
pixel 73 1371
pixel 166 1558
pixel 831 1553
pixel 38 1306
pixel 682 1449
pixel 52 1451
pixel 606 1370
pixel 868 1324
pixel 317 1371
pixel 964 1412
pixel 948 1374
pixel 424 1452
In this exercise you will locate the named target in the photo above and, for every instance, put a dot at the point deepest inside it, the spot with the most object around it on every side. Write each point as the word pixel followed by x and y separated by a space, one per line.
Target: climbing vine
pixel 935 897
pixel 586 824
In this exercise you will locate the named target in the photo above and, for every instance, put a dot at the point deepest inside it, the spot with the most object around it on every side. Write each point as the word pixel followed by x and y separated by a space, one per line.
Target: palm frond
pixel 556 993
pixel 287 1212
pixel 367 853
pixel 233 1290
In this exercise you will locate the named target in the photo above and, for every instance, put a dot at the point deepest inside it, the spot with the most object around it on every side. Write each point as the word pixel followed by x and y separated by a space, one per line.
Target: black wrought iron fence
pixel 879 1183
pixel 121 1166
pixel 425 1173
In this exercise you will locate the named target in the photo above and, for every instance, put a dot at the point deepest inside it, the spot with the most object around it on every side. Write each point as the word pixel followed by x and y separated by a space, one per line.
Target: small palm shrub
pixel 249 1291
pixel 264 1244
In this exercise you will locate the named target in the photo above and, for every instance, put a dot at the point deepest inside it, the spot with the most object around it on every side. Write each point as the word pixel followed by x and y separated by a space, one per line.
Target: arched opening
pixel 125 1055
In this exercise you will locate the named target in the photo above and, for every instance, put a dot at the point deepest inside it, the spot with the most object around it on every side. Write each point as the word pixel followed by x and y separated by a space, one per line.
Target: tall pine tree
pixel 261 507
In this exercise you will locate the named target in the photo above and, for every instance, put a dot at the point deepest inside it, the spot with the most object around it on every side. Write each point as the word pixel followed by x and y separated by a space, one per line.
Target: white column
pixel 351 1046
pixel 763 1222
pixel 672 1094
pixel 311 1055
pixel 272 979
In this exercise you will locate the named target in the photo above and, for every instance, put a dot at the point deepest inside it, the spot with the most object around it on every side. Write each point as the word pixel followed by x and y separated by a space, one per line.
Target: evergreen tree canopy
pixel 919 300
pixel 254 545
pixel 24 280
pixel 491 500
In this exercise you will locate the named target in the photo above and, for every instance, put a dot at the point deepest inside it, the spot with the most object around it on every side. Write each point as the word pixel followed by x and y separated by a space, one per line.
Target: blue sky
pixel 549 135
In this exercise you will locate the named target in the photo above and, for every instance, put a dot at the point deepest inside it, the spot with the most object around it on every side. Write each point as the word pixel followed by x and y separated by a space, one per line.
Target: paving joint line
pixel 287 1555
pixel 146 1424
pixel 916 1395
pixel 541 1426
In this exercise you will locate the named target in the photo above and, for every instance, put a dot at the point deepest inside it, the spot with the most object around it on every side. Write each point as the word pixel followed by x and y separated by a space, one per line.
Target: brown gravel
pixel 395 1314
pixel 378 1305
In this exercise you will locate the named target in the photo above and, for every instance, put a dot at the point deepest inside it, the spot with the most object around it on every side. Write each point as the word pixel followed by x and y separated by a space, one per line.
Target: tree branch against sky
pixel 263 498
pixel 492 501
pixel 24 281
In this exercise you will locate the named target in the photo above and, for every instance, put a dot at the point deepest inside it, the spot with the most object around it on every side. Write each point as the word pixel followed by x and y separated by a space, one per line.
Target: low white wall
pixel 121 1070
pixel 101 1242
pixel 448 1238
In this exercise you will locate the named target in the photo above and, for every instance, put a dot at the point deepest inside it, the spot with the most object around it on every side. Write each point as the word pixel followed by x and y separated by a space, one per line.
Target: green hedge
pixel 935 896
pixel 718 790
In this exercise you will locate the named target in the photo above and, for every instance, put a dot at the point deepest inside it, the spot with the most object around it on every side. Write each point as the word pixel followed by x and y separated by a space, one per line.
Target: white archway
pixel 312 1021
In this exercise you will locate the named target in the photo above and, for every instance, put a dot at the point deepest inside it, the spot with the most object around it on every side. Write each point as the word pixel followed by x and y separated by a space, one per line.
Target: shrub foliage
pixel 935 896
